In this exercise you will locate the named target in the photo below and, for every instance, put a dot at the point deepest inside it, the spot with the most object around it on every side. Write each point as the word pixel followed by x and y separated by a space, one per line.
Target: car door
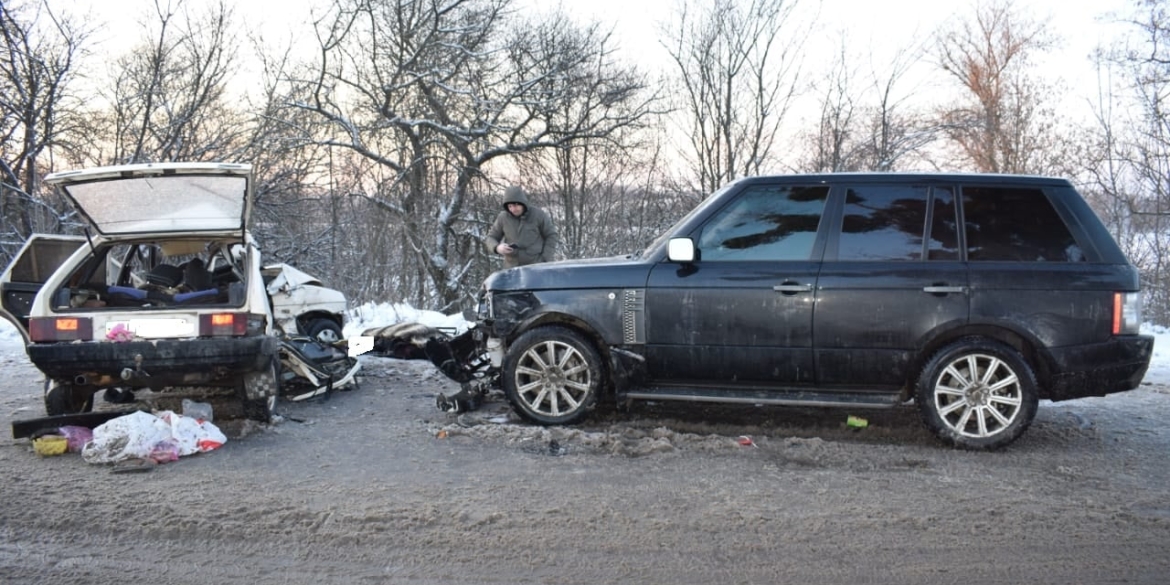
pixel 741 314
pixel 36 261
pixel 891 277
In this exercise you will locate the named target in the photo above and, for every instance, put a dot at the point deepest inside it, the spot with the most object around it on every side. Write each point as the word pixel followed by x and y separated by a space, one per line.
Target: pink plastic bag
pixel 75 437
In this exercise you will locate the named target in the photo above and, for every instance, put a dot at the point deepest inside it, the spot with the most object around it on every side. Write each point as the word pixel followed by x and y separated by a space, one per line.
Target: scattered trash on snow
pixel 197 410
pixel 141 435
pixel 747 441
pixel 50 445
pixel 76 437
pixel 856 422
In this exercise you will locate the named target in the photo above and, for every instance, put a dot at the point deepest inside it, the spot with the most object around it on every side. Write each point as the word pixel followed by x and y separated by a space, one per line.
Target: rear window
pixel 1015 225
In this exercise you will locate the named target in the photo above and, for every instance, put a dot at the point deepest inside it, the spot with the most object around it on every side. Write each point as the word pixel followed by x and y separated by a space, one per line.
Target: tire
pixel 324 330
pixel 552 376
pixel 259 391
pixel 984 411
pixel 66 398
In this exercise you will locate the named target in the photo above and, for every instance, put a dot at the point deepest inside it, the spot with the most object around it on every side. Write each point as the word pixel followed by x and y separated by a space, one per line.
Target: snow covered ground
pixel 381 314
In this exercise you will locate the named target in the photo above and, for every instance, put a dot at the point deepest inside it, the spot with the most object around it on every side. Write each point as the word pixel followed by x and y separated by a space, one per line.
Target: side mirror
pixel 680 250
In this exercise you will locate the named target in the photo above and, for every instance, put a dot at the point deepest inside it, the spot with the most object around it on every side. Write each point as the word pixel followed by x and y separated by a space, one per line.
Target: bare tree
pixel 1002 124
pixel 867 119
pixel 37 111
pixel 738 65
pixel 431 93
pixel 1127 158
pixel 834 142
pixel 896 129
pixel 168 97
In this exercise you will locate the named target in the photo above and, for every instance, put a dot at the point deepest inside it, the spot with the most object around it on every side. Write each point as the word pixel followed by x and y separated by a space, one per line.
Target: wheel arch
pixel 304 319
pixel 576 324
pixel 1026 345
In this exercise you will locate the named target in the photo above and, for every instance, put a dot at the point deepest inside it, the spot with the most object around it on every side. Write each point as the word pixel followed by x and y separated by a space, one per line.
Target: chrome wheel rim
pixel 978 396
pixel 552 379
pixel 328 336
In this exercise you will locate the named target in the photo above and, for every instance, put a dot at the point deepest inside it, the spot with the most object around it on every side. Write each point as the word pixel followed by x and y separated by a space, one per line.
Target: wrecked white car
pixel 164 291
pixel 302 305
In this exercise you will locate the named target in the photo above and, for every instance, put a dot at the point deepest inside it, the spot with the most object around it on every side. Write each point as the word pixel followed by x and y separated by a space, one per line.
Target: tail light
pixel 223 324
pixel 42 329
pixel 1127 313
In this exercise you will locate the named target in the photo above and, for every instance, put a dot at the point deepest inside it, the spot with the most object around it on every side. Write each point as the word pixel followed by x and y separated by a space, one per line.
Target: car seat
pixel 195 275
pixel 167 275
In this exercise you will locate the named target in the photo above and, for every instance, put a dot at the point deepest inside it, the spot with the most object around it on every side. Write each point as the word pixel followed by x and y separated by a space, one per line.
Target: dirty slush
pixel 375 485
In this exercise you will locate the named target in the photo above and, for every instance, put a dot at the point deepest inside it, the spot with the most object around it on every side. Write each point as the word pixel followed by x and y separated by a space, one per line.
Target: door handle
pixel 943 290
pixel 791 288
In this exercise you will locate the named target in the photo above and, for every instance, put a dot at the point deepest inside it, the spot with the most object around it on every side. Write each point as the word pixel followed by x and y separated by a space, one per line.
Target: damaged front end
pixel 471 359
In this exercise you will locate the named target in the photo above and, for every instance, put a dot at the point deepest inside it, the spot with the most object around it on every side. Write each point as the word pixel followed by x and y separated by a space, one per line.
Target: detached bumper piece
pixel 314 369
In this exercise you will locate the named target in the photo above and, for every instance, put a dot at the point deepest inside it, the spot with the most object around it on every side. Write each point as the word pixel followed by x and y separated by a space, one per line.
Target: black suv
pixel 972 295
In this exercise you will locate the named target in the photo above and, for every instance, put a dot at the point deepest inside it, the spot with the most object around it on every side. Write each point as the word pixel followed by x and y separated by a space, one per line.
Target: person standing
pixel 522 233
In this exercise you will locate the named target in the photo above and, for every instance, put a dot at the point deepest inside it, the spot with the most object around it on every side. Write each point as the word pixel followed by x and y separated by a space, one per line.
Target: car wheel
pixel 259 391
pixel 65 398
pixel 977 394
pixel 326 331
pixel 552 375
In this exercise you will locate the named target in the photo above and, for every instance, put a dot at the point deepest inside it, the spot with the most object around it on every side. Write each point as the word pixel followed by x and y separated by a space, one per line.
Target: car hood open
pixel 162 197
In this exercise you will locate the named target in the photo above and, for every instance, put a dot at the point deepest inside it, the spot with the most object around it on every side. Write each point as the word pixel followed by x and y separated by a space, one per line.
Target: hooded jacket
pixel 533 234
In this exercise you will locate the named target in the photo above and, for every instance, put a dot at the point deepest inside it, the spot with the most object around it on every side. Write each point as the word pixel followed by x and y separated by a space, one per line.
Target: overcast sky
pixel 873 31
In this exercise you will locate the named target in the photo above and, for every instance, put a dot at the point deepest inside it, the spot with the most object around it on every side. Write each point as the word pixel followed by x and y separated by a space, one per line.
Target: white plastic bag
pixel 141 435
pixel 193 435
pixel 130 436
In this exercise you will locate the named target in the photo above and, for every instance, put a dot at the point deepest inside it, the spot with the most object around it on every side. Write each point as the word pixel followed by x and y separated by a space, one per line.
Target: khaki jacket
pixel 532 234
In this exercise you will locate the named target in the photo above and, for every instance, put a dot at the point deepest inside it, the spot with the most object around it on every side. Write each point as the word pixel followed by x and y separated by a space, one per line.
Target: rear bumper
pixel 172 357
pixel 1101 368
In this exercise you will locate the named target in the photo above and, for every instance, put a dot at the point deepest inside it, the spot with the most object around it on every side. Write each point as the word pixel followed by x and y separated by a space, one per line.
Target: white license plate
pixel 155 328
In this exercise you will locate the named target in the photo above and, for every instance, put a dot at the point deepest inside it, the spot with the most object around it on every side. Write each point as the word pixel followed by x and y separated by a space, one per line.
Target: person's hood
pixel 515 195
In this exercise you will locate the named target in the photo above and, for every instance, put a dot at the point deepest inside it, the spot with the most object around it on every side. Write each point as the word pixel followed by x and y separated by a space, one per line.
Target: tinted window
pixel 883 222
pixel 943 241
pixel 39 263
pixel 765 222
pixel 1015 225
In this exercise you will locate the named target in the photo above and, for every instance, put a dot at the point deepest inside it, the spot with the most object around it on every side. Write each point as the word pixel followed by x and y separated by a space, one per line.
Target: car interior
pixel 155 274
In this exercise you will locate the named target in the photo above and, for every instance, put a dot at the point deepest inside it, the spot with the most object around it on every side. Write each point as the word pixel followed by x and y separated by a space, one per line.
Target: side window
pixel 42 260
pixel 883 222
pixel 1015 224
pixel 765 222
pixel 943 241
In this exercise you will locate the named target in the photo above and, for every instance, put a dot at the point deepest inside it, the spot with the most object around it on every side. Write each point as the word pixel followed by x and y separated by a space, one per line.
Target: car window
pixel 943 240
pixel 765 222
pixel 883 222
pixel 1016 224
pixel 43 260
